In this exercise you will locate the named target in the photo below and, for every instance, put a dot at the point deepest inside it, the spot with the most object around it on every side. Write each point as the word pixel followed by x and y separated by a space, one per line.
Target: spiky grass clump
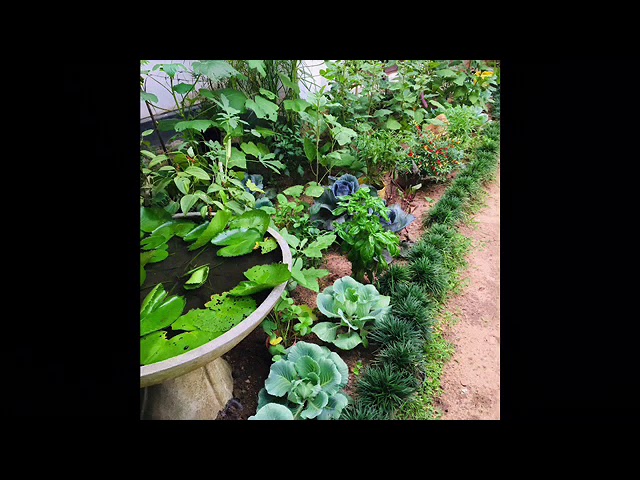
pixel 423 249
pixel 384 388
pixel 492 131
pixel 358 411
pixel 469 184
pixel 410 289
pixel 404 355
pixel 449 210
pixel 433 277
pixel 391 329
pixel 447 231
pixel 437 239
pixel 393 276
pixel 489 145
pixel 413 310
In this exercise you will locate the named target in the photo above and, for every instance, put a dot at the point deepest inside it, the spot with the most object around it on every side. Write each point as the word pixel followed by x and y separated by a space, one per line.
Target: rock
pixel 198 395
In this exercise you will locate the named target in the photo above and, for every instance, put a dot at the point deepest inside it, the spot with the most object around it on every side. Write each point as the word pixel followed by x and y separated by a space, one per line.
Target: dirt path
pixel 471 379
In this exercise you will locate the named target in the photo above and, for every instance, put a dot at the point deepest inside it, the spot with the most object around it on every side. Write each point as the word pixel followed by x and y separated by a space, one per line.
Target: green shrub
pixel 425 249
pixel 394 275
pixel 403 355
pixel 391 329
pixel 432 276
pixel 385 388
pixel 358 411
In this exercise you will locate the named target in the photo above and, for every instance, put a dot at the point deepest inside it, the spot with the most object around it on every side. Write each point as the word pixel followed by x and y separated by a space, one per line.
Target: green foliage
pixel 432 276
pixel 308 380
pixel 425 249
pixel 432 156
pixel 198 276
pixel 384 388
pixel 358 411
pixel 406 355
pixel 380 149
pixel 355 305
pixel 286 324
pixel 449 210
pixel 262 277
pixel 365 240
pixel 394 275
pixel 392 329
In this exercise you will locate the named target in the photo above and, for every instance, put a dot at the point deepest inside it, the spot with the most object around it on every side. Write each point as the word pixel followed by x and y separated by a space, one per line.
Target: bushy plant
pixel 432 156
pixel 391 329
pixel 358 411
pixel 432 276
pixel 306 383
pixel 449 210
pixel 355 305
pixel 385 388
pixel 394 275
pixel 368 245
pixel 402 355
pixel 425 249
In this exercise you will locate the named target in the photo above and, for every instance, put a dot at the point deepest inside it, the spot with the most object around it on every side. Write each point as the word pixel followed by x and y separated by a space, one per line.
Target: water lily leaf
pixel 229 312
pixel 179 344
pixel 268 245
pixel 153 300
pixel 153 256
pixel 195 233
pixel 256 219
pixel 152 242
pixel 198 277
pixel 182 228
pixel 149 346
pixel 240 242
pixel 152 217
pixel 216 225
pixel 162 316
pixel 262 277
pixel 143 275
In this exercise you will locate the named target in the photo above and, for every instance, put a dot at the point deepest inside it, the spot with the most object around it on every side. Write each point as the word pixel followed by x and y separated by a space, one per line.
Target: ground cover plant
pixel 249 151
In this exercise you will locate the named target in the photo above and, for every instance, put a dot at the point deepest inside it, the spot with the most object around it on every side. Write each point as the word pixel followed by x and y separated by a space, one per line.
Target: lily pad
pixel 216 225
pixel 238 241
pixel 198 277
pixel 162 316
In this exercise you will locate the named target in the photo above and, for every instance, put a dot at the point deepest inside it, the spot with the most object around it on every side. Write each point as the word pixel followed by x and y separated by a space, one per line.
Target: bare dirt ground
pixel 471 379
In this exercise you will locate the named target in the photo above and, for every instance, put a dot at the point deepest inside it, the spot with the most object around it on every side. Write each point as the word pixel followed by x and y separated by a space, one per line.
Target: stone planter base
pixel 197 395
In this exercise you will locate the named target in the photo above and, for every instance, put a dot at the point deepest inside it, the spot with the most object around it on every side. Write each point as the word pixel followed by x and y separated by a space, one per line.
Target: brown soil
pixel 476 355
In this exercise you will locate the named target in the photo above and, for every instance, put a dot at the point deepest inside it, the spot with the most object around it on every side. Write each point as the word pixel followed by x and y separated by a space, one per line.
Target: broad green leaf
pixel 268 94
pixel 265 132
pixel 308 277
pixel 281 374
pixel 250 148
pixel 473 98
pixel 268 245
pixel 167 125
pixel 272 411
pixel 159 159
pixel 181 344
pixel 460 79
pixel 198 277
pixel 228 312
pixel 322 242
pixel 309 149
pixel 272 274
pixel 263 108
pixel 170 68
pixel 446 73
pixel 152 217
pixel 419 116
pixel 392 124
pixel 314 190
pixel 438 104
pixel 253 187
pixel 203 196
pixel 198 172
pixel 294 191
pixel 153 241
pixel 153 300
pixel 382 113
pixel 163 316
pixel 291 239
pixel 187 202
pixel 435 121
pixel 216 70
pixel 153 256
pixel 183 88
pixel 147 132
pixel 287 82
pixel 297 105
pixel 183 184
pixel 344 135
pixel 148 97
pixel 347 341
pixel 256 219
pixel 257 65
pixel 326 331
pixel 215 226
pixel 149 346
pixel 200 125
pixel 195 232
pixel 237 159
pixel 237 241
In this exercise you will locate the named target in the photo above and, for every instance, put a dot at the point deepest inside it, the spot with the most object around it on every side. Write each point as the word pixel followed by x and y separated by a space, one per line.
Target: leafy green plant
pixel 431 275
pixel 306 383
pixel 286 324
pixel 431 156
pixel 368 245
pixel 355 305
pixel 405 355
pixel 391 329
pixel 394 275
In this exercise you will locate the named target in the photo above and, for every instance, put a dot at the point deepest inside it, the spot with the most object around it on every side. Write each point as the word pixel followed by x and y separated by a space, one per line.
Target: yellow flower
pixel 486 74
pixel 275 341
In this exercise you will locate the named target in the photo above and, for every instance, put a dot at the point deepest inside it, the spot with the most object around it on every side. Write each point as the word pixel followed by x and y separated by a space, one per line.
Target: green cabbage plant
pixel 307 383
pixel 354 304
